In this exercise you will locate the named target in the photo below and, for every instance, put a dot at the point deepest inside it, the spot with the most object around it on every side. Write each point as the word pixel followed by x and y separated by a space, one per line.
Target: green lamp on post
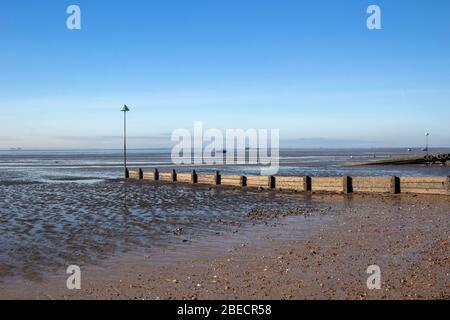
pixel 125 110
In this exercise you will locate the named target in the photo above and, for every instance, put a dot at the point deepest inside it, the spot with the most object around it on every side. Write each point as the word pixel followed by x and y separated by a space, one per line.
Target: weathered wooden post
pixel 243 181
pixel 174 175
pixel 349 181
pixel 141 174
pixel 127 173
pixel 347 184
pixel 308 184
pixel 395 185
pixel 156 174
pixel 272 182
pixel 194 177
pixel 217 177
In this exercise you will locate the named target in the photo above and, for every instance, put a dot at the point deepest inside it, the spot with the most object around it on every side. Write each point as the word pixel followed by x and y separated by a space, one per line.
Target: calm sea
pixel 92 165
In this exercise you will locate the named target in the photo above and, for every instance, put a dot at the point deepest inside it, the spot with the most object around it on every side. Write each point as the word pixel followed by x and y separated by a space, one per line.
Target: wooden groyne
pixel 428 159
pixel 342 184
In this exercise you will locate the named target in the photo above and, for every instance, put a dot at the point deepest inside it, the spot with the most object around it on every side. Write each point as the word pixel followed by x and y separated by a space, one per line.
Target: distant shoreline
pixel 414 149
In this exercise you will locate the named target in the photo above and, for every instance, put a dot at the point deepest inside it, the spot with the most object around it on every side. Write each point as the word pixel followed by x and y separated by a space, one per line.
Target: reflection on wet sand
pixel 48 226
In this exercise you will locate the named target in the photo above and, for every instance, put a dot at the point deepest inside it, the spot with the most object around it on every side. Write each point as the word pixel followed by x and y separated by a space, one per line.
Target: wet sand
pixel 44 227
pixel 320 251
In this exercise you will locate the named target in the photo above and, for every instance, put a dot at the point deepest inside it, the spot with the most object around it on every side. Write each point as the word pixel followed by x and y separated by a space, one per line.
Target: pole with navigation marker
pixel 125 110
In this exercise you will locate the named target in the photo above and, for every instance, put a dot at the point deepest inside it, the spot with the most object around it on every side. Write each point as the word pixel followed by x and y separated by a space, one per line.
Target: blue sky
pixel 309 68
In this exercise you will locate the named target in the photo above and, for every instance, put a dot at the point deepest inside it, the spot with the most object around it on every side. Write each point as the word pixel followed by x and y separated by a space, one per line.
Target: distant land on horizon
pixel 414 149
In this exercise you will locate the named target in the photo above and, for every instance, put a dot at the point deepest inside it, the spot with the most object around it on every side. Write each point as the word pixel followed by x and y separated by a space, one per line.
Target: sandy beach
pixel 318 251
pixel 224 150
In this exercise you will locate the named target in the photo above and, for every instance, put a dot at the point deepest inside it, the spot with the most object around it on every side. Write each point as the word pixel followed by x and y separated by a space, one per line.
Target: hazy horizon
pixel 305 148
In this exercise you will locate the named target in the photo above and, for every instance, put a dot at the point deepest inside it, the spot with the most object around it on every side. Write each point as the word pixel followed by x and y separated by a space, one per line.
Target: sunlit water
pixel 91 165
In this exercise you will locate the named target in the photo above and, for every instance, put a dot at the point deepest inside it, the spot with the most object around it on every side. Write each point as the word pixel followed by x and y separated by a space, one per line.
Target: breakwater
pixel 339 184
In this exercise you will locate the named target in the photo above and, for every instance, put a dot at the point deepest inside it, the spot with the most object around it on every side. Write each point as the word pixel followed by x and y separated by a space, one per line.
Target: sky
pixel 311 69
